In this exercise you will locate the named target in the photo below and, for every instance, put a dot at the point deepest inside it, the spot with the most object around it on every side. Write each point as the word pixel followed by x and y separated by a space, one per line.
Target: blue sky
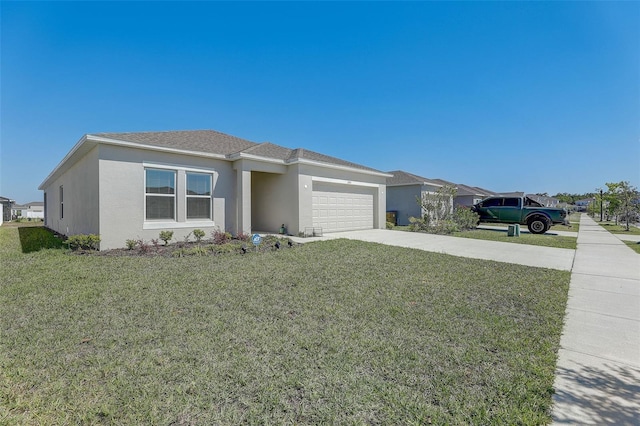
pixel 509 96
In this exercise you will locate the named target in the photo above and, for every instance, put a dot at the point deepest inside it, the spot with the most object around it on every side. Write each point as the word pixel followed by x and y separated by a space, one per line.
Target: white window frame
pixel 174 196
pixel 181 201
pixel 187 196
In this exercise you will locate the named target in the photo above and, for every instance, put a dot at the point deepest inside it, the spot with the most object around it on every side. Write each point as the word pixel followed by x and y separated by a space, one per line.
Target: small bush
pixel 465 218
pixel 83 242
pixel 198 234
pixel 166 236
pixel 220 237
pixel 390 225
pixel 243 237
pixel 143 246
pixel 131 244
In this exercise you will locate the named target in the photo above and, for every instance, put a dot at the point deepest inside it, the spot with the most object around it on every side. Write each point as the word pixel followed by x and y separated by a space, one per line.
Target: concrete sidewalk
pixel 598 371
pixel 522 254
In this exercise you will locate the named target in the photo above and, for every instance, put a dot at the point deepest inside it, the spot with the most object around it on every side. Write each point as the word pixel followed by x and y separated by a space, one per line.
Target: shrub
pixel 83 242
pixel 156 243
pixel 243 237
pixel 390 225
pixel 143 246
pixel 131 244
pixel 220 237
pixel 198 234
pixel 166 236
pixel 466 218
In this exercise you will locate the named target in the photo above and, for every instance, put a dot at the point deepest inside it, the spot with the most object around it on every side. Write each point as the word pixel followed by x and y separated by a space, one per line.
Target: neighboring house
pixel 465 195
pixel 405 189
pixel 544 200
pixel 6 204
pixel 403 192
pixel 585 202
pixel 469 195
pixel 33 210
pixel 133 185
pixel 486 192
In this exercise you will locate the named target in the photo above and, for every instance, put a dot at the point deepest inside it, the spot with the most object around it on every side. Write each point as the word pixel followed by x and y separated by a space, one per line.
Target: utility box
pixel 514 230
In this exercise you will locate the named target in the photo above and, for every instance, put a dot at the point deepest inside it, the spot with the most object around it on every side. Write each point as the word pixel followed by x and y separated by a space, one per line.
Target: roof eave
pixel 338 167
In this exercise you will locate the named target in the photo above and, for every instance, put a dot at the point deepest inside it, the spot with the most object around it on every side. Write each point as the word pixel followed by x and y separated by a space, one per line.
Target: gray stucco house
pixel 404 189
pixel 403 192
pixel 133 185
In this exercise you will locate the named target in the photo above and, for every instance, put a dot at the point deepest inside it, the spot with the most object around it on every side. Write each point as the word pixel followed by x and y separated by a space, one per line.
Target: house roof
pixel 213 142
pixel 484 192
pixel 205 142
pixel 469 190
pixel 401 177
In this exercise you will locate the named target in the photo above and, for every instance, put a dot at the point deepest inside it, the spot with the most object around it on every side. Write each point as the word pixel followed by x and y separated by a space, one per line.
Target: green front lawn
pixel 620 228
pixel 634 245
pixel 335 332
pixel 545 240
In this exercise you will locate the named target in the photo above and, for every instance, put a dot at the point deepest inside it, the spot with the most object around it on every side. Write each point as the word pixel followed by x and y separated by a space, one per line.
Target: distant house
pixel 584 202
pixel 404 189
pixel 32 210
pixel 582 205
pixel 403 192
pixel 133 185
pixel 468 195
pixel 5 206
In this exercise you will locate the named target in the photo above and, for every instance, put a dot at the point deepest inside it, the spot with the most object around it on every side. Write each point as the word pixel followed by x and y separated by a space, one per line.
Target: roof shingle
pixel 212 142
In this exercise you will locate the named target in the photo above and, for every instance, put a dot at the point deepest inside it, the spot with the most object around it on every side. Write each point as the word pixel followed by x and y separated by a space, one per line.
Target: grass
pixel 620 228
pixel 634 245
pixel 335 332
pixel 545 240
pixel 574 227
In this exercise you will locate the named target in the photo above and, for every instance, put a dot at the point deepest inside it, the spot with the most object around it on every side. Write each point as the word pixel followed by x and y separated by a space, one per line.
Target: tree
pixel 623 200
pixel 438 206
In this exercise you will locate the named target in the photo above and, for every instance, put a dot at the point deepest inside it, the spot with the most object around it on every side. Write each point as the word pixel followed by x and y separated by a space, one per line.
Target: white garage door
pixel 341 207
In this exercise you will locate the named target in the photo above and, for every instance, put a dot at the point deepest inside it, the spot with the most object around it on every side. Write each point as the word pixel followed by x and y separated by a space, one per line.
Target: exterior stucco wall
pixel 80 198
pixel 122 197
pixel 273 197
pixel 307 173
pixel 403 199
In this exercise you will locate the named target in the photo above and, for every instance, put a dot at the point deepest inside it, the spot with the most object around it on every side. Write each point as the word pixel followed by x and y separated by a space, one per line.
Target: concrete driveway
pixel 522 254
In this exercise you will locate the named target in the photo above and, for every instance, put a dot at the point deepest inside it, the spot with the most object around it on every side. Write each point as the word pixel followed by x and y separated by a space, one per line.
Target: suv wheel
pixel 538 225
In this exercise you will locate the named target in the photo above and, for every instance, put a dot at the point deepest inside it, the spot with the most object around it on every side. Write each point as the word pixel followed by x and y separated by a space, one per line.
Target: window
pixel 160 194
pixel 198 196
pixel 61 202
pixel 492 202
pixel 511 202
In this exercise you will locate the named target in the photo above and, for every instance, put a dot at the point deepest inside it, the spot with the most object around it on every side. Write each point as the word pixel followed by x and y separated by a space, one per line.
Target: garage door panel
pixel 341 207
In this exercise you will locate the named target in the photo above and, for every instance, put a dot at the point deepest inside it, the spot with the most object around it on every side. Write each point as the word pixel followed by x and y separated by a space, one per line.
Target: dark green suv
pixel 522 210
